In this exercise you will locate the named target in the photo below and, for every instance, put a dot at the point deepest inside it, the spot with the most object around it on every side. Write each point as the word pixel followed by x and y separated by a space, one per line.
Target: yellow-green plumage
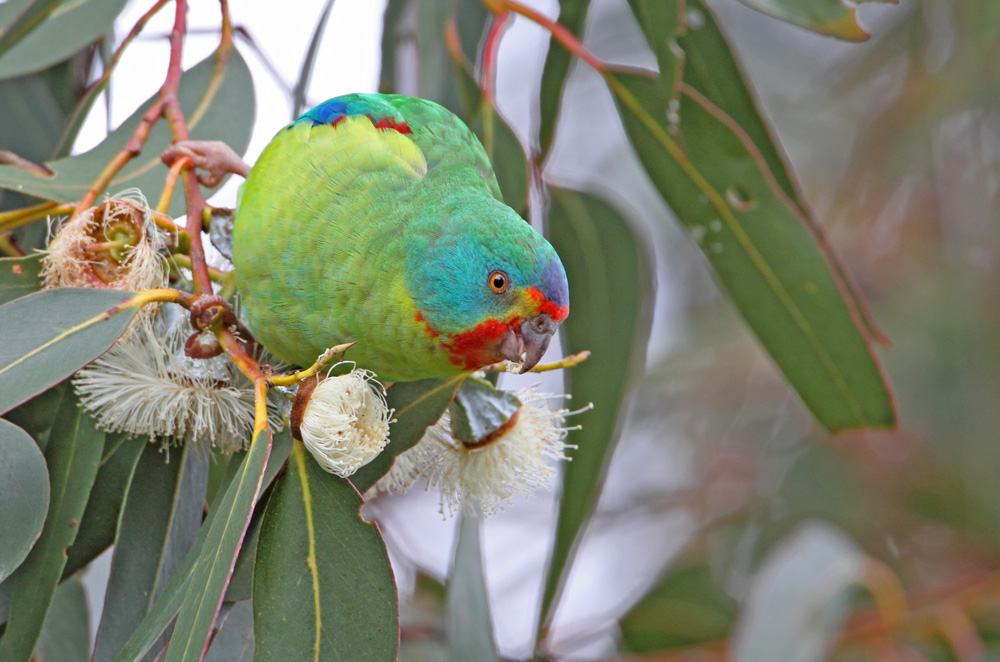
pixel 361 223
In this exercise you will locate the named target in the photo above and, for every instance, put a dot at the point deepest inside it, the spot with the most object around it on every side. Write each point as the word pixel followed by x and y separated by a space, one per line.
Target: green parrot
pixel 377 219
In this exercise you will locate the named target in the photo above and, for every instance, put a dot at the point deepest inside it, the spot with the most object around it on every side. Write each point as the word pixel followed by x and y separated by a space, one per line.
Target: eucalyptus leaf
pixel 24 495
pixel 605 259
pixel 418 405
pixel 323 587
pixel 765 253
pixel 64 29
pixel 100 520
pixel 469 627
pixel 73 455
pixel 686 608
pixel 572 16
pixel 834 18
pixel 207 581
pixel 19 18
pixel 166 607
pixel 159 521
pixel 66 633
pixel 799 597
pixel 19 276
pixel 234 640
pixel 67 329
pixel 228 116
pixel 479 410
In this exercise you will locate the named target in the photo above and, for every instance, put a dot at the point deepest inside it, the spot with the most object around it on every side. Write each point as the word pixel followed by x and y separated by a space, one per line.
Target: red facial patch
pixel 478 347
pixel 427 327
pixel 557 313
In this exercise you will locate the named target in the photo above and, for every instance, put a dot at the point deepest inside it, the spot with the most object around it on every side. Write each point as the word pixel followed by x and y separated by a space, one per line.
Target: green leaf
pixel 159 522
pixel 66 633
pixel 767 255
pixel 500 142
pixel 63 32
pixel 100 520
pixel 227 117
pixel 73 455
pixel 479 410
pixel 169 602
pixel 418 406
pixel 207 582
pixel 834 18
pixel 798 599
pixel 19 276
pixel 572 15
pixel 234 641
pixel 241 583
pixel 305 72
pixel 469 628
pixel 19 19
pixel 35 415
pixel 506 155
pixel 604 259
pixel 323 587
pixel 24 493
pixel 67 329
pixel 687 608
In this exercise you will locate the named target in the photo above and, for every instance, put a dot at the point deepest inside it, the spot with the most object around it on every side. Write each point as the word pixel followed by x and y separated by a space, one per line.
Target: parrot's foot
pixel 213 156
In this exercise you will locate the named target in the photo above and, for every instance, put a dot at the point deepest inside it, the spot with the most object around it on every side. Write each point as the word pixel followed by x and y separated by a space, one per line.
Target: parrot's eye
pixel 498 281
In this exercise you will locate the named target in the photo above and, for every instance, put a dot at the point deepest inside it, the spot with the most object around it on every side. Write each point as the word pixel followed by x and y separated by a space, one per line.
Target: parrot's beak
pixel 529 340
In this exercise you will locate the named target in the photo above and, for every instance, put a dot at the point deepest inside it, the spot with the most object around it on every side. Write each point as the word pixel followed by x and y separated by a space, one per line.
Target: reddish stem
pixel 488 74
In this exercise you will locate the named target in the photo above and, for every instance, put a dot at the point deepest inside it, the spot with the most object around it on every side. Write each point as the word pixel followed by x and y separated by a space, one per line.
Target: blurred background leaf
pixel 604 258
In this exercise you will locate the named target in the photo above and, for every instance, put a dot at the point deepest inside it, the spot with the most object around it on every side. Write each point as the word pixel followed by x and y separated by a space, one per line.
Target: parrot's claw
pixel 213 156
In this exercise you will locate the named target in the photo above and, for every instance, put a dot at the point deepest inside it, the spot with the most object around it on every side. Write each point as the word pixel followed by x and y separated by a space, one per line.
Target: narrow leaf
pixel 572 15
pixel 100 520
pixel 214 566
pixel 66 633
pixel 604 259
pixel 418 406
pixel 224 113
pixel 234 641
pixel 24 495
pixel 469 627
pixel 323 587
pixel 67 329
pixel 687 608
pixel 159 521
pixel 799 598
pixel 23 18
pixel 68 28
pixel 35 415
pixel 19 277
pixel 241 583
pixel 73 455
pixel 305 73
pixel 765 252
pixel 833 18
pixel 169 602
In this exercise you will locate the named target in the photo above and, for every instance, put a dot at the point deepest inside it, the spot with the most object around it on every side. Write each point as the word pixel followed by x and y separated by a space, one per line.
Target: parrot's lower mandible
pixel 377 219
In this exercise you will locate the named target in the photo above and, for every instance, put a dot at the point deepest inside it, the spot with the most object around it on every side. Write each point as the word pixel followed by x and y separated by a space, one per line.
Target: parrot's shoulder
pixel 443 140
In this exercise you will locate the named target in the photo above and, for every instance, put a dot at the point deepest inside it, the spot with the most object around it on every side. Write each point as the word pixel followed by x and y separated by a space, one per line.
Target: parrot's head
pixel 488 286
